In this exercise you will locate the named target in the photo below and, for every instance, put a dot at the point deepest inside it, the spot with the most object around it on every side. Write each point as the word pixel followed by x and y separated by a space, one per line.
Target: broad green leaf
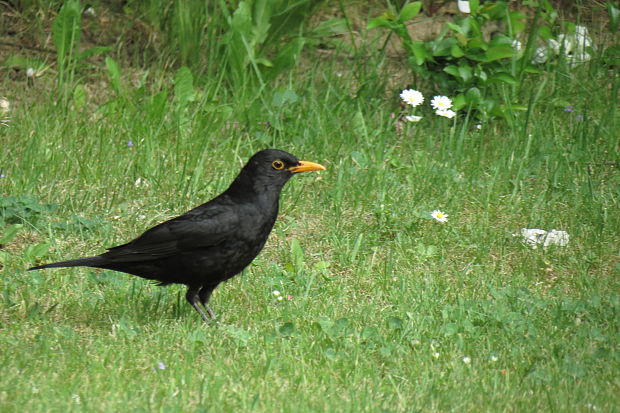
pixel 36 251
pixel 614 16
pixel 79 97
pixel 23 63
pixel 450 329
pixel 66 29
pixel 9 233
pixel 379 22
pixel 499 52
pixel 477 43
pixel 501 40
pixel 238 38
pixel 395 323
pixel 474 28
pixel 452 70
pixel 261 15
pixel 114 73
pixel 473 6
pixel 410 11
pixel 240 336
pixel 420 53
pixel 287 329
pixel 456 51
pixel 545 32
pixel 517 22
pixel 518 106
pixel 459 101
pixel 288 55
pixel 280 99
pixel 297 254
pixel 473 95
pixel 496 10
pixel 466 25
pixel 443 47
pixel 532 69
pixel 264 62
pixel 504 77
pixel 183 86
pixel 465 73
pixel 455 27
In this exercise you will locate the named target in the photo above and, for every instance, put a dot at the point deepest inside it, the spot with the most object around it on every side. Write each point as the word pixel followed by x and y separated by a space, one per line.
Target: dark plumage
pixel 212 242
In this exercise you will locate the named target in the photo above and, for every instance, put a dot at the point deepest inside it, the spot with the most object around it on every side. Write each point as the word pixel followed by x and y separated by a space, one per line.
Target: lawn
pixel 383 309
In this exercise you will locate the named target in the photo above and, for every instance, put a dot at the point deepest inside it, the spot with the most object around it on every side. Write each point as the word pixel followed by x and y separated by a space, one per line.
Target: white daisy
pixel 413 118
pixel 439 215
pixel 441 103
pixel 412 97
pixel 276 293
pixel 446 113
pixel 466 360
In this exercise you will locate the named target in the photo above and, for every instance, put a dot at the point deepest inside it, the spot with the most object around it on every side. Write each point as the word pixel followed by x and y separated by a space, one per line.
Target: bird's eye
pixel 277 165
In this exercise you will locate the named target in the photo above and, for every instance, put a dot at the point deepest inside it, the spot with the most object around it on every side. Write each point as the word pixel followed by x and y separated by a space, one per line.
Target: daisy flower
pixel 441 103
pixel 446 113
pixel 439 215
pixel 467 360
pixel 412 97
pixel 413 118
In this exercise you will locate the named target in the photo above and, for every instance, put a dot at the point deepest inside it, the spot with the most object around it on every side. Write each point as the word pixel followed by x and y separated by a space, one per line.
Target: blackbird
pixel 212 242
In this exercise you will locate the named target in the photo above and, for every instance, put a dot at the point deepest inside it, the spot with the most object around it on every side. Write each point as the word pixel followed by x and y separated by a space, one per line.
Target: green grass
pixel 385 303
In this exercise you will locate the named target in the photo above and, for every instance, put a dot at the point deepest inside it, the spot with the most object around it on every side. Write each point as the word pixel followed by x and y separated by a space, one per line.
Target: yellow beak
pixel 305 166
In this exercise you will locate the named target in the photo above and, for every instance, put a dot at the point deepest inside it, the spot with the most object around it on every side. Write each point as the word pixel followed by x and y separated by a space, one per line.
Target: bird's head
pixel 272 168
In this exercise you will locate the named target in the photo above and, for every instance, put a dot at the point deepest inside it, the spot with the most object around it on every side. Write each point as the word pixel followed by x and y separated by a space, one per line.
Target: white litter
pixel 535 237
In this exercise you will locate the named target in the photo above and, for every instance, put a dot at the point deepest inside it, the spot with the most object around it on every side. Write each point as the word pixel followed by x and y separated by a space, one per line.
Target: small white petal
pixel 439 216
pixel 413 118
pixel 463 6
pixel 412 97
pixel 446 113
pixel 441 103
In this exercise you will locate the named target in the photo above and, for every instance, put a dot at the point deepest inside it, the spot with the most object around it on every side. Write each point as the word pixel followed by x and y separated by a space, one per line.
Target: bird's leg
pixel 192 298
pixel 204 295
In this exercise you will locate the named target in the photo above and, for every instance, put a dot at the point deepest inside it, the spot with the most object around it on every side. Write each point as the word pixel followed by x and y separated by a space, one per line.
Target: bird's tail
pixel 78 262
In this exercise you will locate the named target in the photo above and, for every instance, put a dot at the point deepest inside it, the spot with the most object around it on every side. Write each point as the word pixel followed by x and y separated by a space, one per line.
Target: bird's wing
pixel 199 228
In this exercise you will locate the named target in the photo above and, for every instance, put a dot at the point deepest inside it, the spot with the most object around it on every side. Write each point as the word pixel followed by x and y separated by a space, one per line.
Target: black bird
pixel 212 242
